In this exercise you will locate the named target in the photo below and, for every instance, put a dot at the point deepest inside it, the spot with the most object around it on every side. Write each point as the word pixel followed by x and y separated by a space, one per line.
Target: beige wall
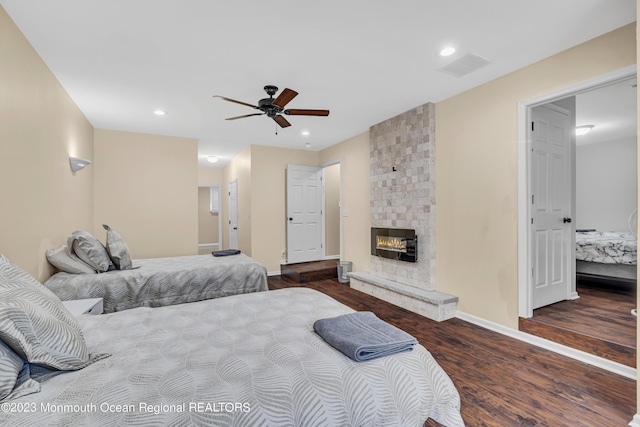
pixel 332 210
pixel 40 127
pixel 209 177
pixel 268 175
pixel 238 168
pixel 477 173
pixel 146 189
pixel 353 155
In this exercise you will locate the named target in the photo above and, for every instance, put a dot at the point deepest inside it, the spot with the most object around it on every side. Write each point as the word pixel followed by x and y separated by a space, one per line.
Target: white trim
pixel 617 368
pixel 207 245
pixel 524 145
pixel 327 257
pixel 273 273
pixel 635 422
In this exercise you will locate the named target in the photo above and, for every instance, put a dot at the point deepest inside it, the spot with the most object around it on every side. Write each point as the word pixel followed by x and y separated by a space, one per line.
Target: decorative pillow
pixel 10 367
pixel 117 249
pixel 90 250
pixel 64 260
pixel 35 324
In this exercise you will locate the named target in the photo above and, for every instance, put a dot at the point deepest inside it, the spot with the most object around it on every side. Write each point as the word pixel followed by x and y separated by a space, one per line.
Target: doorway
pixel 209 220
pixel 314 223
pixel 582 216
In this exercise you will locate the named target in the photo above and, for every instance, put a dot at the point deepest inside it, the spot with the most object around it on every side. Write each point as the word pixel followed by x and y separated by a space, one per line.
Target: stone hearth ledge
pixel 434 305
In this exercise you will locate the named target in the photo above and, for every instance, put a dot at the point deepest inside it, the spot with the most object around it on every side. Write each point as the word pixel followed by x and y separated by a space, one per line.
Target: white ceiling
pixel 364 60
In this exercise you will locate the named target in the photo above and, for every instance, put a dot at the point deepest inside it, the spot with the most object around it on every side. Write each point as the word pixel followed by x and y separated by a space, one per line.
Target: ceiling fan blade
pixel 302 112
pixel 237 102
pixel 284 98
pixel 284 123
pixel 246 115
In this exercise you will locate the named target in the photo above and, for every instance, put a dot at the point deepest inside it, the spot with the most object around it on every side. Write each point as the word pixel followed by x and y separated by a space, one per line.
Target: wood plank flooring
pixel 502 381
pixel 599 322
pixel 310 271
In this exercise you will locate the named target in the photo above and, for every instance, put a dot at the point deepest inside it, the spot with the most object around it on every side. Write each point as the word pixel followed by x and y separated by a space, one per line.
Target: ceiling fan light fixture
pixel 584 129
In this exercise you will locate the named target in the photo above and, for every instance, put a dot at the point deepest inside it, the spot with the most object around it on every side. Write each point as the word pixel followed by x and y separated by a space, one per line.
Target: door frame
pixel 324 206
pixel 525 285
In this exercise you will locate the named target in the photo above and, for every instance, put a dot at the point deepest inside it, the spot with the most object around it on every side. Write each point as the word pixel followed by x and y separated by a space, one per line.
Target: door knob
pixel 290 219
pixel 566 220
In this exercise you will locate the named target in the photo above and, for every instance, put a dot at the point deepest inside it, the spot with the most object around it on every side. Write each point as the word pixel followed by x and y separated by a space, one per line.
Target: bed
pixel 243 360
pixel 606 256
pixel 164 281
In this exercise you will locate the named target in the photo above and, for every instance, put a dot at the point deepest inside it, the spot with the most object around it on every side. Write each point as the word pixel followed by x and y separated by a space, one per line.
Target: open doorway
pixel 314 223
pixel 603 188
pixel 209 221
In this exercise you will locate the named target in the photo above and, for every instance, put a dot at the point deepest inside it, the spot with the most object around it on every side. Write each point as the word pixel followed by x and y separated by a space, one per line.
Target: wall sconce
pixel 77 164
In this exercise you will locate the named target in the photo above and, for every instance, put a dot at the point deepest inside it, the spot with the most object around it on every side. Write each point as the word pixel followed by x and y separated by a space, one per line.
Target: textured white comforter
pixel 158 282
pixel 245 360
pixel 607 247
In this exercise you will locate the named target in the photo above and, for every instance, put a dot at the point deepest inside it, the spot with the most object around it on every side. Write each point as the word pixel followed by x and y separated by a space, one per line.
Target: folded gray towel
pixel 363 336
pixel 226 252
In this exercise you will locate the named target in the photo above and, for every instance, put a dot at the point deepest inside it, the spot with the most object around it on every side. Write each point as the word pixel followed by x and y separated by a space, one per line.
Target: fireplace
pixel 394 243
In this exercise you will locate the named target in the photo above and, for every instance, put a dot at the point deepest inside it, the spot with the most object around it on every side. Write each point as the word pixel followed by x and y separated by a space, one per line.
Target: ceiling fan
pixel 274 107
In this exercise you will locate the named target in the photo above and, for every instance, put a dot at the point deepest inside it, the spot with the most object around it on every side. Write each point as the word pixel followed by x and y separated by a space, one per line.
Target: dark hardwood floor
pixel 599 322
pixel 502 381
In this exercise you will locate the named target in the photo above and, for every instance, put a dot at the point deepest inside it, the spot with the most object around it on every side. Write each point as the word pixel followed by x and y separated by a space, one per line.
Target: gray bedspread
pixel 245 360
pixel 164 281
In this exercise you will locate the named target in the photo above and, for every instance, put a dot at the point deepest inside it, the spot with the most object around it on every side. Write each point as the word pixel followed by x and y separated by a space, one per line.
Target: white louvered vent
pixel 465 64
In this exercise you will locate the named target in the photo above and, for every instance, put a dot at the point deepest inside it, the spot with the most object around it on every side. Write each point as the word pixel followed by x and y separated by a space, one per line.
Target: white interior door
pixel 233 214
pixel 304 214
pixel 552 231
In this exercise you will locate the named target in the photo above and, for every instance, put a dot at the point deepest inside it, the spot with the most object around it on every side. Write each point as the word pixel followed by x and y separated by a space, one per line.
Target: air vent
pixel 465 64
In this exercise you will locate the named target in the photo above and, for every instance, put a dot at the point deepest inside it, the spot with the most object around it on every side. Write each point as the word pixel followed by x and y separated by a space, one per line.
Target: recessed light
pixel 304 133
pixel 307 145
pixel 448 51
pixel 583 130
pixel 212 159
pixel 160 113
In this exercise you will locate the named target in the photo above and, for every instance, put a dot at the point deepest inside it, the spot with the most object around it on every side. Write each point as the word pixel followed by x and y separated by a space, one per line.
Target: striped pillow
pixel 117 249
pixel 35 324
pixel 90 250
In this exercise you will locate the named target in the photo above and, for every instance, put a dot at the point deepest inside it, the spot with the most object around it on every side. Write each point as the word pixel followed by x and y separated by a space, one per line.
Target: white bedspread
pixel 607 247
pixel 245 360
pixel 164 281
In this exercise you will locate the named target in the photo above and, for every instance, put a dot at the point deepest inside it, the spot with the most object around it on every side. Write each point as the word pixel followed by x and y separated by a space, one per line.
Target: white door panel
pixel 304 214
pixel 551 198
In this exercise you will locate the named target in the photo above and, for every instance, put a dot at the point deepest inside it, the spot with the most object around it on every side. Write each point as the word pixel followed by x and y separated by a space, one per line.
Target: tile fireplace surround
pixel 402 161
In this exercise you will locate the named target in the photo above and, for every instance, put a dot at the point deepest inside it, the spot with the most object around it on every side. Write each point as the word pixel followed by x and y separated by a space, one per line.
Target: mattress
pixel 607 247
pixel 245 360
pixel 158 282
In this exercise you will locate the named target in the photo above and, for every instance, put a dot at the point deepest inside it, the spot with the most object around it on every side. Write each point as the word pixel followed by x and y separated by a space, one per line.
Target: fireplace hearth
pixel 394 243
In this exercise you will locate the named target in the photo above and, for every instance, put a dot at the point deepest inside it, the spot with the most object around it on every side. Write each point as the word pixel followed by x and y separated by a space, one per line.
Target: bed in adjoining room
pixel 606 256
pixel 244 360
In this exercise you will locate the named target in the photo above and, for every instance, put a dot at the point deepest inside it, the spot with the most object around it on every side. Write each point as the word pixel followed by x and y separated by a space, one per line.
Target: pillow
pixel 10 366
pixel 35 324
pixel 117 249
pixel 89 250
pixel 64 260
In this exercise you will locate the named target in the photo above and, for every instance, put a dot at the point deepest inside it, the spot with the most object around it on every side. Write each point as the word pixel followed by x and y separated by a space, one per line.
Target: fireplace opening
pixel 394 243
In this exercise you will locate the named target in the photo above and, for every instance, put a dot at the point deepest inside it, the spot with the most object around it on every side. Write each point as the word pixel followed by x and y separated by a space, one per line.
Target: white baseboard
pixel 615 367
pixel 635 422
pixel 273 273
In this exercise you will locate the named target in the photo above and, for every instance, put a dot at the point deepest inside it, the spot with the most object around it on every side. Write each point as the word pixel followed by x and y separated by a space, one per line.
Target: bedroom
pixel 39 161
